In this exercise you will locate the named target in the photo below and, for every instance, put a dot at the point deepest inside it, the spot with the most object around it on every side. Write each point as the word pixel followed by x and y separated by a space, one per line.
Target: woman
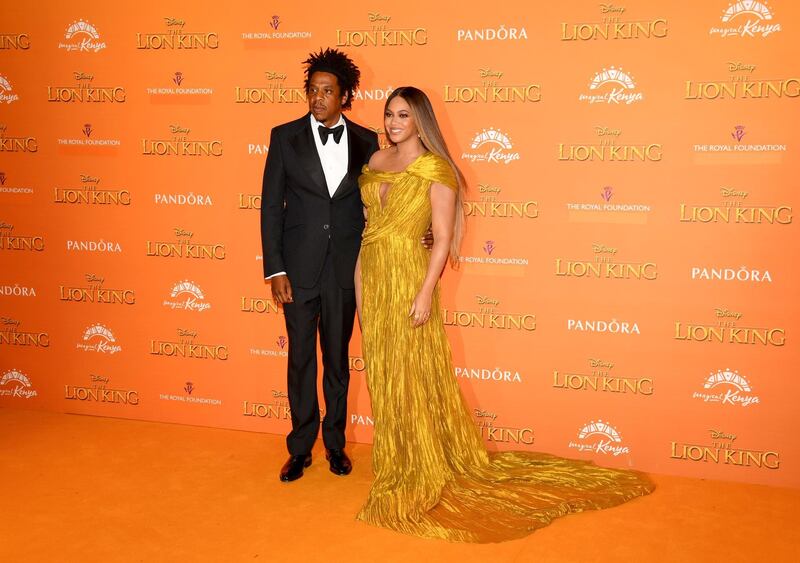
pixel 433 475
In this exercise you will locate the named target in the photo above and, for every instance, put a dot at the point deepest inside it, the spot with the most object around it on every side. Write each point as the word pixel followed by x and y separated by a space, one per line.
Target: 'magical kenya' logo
pixel 600 437
pixel 491 146
pixel 612 86
pixel 98 338
pixel 14 383
pixel 746 18
pixel 7 96
pixel 81 36
pixel 727 387
pixel 187 296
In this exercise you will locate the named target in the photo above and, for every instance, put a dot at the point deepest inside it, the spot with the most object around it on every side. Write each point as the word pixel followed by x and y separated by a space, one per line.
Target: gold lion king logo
pixel 380 34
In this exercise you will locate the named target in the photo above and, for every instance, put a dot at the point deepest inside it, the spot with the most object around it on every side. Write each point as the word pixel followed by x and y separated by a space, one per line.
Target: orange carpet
pixel 84 489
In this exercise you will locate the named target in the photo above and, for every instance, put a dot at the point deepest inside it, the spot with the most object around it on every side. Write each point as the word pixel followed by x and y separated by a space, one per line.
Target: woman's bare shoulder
pixel 378 159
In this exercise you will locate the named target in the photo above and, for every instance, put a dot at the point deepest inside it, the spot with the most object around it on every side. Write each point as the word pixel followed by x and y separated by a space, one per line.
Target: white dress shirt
pixel 332 155
pixel 334 158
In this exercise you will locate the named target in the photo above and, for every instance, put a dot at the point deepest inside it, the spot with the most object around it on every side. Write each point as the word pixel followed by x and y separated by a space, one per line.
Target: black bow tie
pixel 337 133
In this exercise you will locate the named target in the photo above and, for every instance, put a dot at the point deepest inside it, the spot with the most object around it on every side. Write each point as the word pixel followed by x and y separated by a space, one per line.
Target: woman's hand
pixel 420 309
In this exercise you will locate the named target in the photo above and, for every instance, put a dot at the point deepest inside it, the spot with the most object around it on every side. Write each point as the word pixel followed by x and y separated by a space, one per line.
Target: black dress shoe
pixel 293 468
pixel 340 463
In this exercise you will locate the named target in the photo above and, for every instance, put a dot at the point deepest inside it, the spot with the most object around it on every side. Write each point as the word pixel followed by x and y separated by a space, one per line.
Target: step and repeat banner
pixel 628 287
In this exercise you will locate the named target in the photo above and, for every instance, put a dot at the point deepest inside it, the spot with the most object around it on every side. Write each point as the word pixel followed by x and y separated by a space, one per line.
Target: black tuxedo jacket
pixel 299 218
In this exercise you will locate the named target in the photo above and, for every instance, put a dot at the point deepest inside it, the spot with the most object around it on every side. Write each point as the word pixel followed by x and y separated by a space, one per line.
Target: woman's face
pixel 398 121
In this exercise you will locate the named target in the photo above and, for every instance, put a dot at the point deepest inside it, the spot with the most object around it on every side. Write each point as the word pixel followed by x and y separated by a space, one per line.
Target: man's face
pixel 325 98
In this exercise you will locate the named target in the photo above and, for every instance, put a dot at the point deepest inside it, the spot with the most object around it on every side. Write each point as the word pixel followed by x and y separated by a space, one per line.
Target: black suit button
pixel 326 227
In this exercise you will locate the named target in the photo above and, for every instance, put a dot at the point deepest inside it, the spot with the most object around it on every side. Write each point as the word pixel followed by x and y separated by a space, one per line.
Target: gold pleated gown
pixel 433 475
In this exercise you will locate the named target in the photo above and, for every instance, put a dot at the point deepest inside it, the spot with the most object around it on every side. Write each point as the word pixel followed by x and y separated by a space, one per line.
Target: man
pixel 311 224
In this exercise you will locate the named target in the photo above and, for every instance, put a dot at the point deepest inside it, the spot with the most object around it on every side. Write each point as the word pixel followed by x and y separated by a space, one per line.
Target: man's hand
pixel 281 289
pixel 427 239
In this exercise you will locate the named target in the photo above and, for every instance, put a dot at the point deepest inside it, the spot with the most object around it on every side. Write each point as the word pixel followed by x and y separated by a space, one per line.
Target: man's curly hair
pixel 338 64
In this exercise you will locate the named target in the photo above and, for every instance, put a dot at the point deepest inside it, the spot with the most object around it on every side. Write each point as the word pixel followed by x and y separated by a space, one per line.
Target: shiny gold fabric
pixel 433 475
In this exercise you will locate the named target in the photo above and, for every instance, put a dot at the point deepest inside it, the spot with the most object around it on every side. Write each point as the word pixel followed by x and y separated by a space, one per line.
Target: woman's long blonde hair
pixel 433 140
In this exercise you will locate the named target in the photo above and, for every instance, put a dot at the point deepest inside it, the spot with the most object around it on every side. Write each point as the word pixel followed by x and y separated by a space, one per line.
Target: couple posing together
pixel 324 179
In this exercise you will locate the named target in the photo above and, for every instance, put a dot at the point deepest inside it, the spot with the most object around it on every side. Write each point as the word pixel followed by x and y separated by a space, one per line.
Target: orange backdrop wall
pixel 628 291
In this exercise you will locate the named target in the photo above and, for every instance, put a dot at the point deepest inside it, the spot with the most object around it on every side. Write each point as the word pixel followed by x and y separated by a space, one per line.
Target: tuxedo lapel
pixel 305 148
pixel 356 151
